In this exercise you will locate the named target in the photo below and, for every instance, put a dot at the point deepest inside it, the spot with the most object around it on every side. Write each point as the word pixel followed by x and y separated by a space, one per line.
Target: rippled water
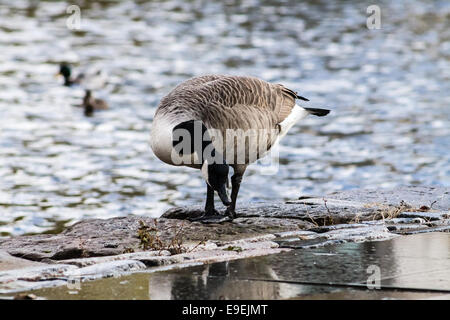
pixel 388 89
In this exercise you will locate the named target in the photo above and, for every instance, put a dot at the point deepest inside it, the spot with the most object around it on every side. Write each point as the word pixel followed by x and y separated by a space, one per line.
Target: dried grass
pixel 150 239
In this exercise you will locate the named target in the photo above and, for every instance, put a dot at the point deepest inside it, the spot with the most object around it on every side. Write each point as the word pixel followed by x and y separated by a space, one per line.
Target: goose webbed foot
pixel 236 180
pixel 230 212
pixel 212 216
pixel 209 214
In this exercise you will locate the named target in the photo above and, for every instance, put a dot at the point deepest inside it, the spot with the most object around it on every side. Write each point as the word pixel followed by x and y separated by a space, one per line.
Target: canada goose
pixel 89 79
pixel 90 104
pixel 220 103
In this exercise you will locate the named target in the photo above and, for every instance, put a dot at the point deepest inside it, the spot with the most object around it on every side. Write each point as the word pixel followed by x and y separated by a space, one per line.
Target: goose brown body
pixel 231 102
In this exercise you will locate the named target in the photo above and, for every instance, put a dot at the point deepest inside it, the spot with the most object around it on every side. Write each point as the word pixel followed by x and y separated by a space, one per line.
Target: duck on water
pixel 88 80
pixel 216 121
pixel 90 104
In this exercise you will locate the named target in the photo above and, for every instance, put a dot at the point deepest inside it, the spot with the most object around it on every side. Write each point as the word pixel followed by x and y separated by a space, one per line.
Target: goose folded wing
pixel 249 92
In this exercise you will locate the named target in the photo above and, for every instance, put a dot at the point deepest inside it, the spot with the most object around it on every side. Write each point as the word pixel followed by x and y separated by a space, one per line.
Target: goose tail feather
pixel 317 112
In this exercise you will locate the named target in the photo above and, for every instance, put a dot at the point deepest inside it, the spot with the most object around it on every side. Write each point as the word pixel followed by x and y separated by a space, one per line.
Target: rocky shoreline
pixel 95 248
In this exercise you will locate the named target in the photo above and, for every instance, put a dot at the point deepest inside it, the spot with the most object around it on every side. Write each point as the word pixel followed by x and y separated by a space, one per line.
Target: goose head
pixel 195 139
pixel 216 176
pixel 87 105
pixel 87 96
pixel 65 71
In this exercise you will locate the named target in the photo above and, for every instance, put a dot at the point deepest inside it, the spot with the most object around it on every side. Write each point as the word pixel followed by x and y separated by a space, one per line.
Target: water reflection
pixel 404 262
pixel 213 281
pixel 387 88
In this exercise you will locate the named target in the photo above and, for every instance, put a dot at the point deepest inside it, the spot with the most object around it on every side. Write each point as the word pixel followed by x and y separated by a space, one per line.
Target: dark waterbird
pixel 91 78
pixel 66 72
pixel 91 104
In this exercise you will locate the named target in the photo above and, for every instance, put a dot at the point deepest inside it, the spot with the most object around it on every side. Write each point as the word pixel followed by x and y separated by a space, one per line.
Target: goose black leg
pixel 210 213
pixel 236 180
pixel 209 207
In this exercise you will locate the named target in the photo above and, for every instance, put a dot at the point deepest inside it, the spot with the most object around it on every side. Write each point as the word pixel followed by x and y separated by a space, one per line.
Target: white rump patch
pixel 296 115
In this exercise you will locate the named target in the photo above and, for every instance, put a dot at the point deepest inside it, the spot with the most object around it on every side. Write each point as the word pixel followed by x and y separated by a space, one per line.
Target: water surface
pixel 388 90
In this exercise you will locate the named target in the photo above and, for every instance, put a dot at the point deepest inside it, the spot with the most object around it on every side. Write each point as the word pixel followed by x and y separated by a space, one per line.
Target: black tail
pixel 318 112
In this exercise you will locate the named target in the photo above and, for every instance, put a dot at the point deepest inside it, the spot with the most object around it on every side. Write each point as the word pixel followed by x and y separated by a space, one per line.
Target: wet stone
pixel 406 220
pixel 313 213
pixel 406 227
pixel 428 216
pixel 437 198
pixel 8 262
pixel 93 238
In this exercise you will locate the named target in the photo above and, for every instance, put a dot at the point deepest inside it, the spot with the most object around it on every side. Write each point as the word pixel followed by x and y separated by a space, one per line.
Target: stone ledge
pixel 95 248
